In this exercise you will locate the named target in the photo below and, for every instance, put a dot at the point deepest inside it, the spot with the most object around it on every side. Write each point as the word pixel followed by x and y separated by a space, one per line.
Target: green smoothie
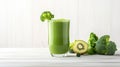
pixel 58 36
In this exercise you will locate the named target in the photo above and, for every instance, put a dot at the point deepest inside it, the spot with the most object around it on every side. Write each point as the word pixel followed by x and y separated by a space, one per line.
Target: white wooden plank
pixel 115 25
pixel 85 19
pixel 94 16
pixel 39 28
pixel 40 57
pixel 27 24
pixel 20 25
pixel 3 24
pixel 11 23
pixel 102 16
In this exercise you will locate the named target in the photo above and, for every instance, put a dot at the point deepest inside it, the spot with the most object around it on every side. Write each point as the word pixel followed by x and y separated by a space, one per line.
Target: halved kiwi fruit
pixel 80 46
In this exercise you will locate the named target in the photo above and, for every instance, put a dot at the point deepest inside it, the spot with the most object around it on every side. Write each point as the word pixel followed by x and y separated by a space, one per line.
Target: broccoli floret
pixel 46 15
pixel 92 43
pixel 104 46
pixel 101 44
pixel 111 48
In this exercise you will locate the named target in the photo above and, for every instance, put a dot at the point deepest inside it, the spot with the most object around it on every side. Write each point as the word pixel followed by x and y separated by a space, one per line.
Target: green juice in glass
pixel 58 36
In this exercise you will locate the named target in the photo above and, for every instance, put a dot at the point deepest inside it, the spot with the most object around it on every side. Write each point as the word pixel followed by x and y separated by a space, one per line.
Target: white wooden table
pixel 40 57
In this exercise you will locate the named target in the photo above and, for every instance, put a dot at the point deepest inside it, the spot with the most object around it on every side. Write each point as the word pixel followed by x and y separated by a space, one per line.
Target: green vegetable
pixel 104 46
pixel 111 48
pixel 71 47
pixel 46 15
pixel 78 55
pixel 92 43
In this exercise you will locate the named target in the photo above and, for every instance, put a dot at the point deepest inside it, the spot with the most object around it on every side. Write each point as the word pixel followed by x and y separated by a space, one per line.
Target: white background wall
pixel 20 25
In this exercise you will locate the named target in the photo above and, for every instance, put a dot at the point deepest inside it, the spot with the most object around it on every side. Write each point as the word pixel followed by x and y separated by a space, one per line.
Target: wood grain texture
pixel 20 25
pixel 40 57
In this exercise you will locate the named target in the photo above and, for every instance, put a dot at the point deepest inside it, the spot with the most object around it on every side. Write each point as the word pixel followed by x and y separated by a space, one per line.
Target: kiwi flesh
pixel 80 46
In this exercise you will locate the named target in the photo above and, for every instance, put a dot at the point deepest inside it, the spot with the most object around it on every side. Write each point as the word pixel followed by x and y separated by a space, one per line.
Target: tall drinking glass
pixel 58 35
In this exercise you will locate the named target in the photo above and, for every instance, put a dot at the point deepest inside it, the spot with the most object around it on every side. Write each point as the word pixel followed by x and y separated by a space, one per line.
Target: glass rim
pixel 60 20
